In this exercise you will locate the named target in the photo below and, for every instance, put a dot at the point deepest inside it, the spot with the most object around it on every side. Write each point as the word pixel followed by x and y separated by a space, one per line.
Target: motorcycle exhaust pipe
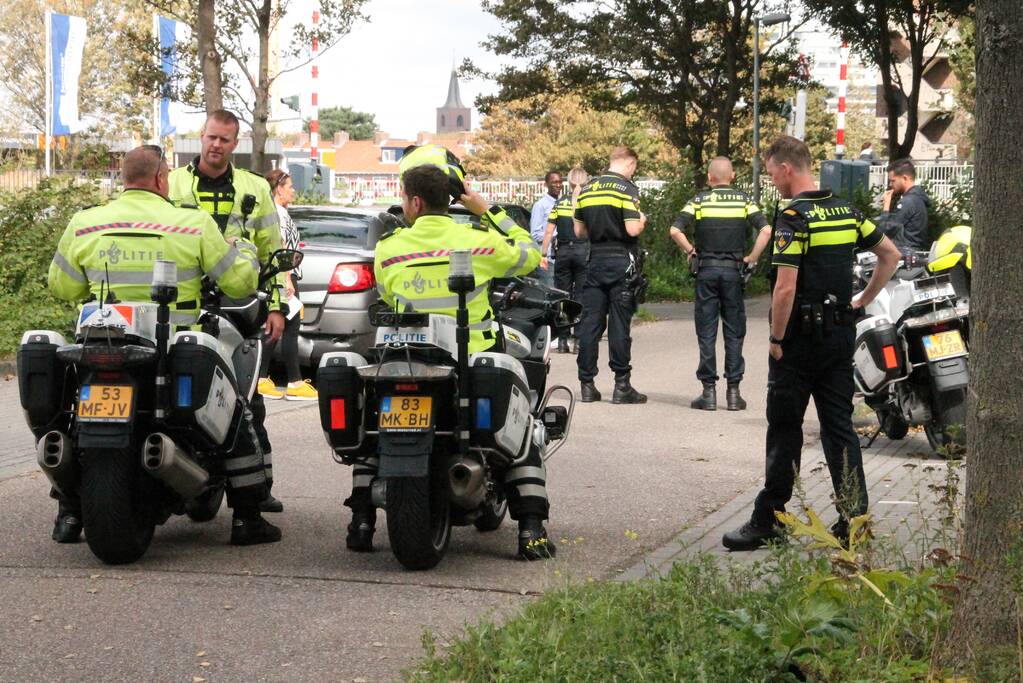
pixel 162 458
pixel 467 483
pixel 57 461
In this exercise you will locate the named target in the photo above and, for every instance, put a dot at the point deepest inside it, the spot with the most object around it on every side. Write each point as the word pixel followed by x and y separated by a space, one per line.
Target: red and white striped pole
pixel 843 75
pixel 314 116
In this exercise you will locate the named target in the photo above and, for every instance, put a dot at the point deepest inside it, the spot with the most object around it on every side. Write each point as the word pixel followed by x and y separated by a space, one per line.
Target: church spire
pixel 454 100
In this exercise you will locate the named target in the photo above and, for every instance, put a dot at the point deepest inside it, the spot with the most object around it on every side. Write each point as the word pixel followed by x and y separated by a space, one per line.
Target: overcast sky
pixel 398 64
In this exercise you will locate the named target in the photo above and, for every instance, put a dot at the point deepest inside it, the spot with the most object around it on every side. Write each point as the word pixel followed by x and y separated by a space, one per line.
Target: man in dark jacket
pixel 905 223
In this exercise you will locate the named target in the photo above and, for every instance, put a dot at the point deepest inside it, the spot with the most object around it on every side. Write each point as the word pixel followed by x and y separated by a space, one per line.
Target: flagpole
pixel 48 126
pixel 159 65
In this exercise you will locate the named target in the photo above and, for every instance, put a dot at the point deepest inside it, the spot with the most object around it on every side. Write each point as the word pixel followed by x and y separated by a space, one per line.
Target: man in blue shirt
pixel 538 222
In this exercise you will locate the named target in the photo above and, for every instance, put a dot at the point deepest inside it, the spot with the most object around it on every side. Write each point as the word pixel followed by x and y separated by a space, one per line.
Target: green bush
pixel 828 615
pixel 31 223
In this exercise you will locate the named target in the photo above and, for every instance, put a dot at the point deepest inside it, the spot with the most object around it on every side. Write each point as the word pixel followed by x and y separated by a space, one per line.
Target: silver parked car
pixel 337 285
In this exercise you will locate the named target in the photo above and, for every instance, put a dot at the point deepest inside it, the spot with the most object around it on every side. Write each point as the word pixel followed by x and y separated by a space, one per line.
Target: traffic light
pixel 291 102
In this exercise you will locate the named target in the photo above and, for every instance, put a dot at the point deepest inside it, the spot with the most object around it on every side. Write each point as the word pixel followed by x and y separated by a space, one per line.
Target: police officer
pixel 722 217
pixel 607 212
pixel 570 252
pixel 241 204
pixel 812 335
pixel 139 227
pixel 405 256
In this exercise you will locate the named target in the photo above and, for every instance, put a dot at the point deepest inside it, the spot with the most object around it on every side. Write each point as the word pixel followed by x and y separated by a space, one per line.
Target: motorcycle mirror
pixel 281 261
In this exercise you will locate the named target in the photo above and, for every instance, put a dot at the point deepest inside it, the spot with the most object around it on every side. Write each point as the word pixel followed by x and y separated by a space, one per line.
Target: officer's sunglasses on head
pixel 158 149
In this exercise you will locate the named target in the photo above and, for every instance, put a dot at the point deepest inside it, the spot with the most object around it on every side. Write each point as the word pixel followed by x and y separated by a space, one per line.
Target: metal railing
pixel 17 179
pixel 941 180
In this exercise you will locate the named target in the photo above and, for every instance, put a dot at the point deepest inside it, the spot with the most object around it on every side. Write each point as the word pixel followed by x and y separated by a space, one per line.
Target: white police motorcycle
pixel 136 422
pixel 912 348
pixel 445 424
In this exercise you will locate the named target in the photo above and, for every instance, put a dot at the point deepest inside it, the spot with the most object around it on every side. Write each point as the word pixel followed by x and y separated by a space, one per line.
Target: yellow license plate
pixel 944 345
pixel 406 413
pixel 104 403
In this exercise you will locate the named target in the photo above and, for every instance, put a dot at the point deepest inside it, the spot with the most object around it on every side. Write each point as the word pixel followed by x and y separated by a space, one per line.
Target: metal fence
pixel 385 189
pixel 18 179
pixel 940 180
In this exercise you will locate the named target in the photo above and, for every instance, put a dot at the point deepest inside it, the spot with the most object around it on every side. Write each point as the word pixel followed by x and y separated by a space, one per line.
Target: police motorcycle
pixel 912 348
pixel 136 421
pixel 445 424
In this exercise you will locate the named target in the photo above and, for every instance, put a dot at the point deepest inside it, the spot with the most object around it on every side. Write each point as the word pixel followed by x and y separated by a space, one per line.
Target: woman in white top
pixel 297 388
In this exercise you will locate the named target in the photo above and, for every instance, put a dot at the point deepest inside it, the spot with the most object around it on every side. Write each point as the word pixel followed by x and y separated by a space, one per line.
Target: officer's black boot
pixel 360 530
pixel 563 345
pixel 588 392
pixel 708 400
pixel 840 530
pixel 625 393
pixel 534 543
pixel 735 400
pixel 253 530
pixel 67 528
pixel 749 537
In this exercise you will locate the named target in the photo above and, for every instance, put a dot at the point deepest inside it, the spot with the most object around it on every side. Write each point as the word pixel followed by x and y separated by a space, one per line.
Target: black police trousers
pixel 607 305
pixel 525 486
pixel 719 294
pixel 570 274
pixel 822 369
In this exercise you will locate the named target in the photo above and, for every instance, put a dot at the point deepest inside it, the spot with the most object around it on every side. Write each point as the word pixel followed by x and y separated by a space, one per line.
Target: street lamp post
pixel 766 20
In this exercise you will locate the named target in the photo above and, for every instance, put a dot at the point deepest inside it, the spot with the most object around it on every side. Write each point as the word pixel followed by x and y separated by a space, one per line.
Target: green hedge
pixel 31 223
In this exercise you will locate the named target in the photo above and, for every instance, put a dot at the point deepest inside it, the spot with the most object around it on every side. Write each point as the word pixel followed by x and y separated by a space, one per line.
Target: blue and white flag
pixel 67 43
pixel 170 33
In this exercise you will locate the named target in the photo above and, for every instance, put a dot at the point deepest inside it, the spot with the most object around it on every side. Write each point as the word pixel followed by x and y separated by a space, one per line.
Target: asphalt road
pixel 306 609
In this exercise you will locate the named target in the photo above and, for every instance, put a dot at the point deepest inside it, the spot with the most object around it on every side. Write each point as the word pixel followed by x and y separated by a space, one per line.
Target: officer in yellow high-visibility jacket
pixel 411 268
pixel 114 247
pixel 242 205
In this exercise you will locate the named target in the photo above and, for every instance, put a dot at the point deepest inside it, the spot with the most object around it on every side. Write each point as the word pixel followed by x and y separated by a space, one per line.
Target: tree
pixel 511 143
pixel 880 30
pixel 245 76
pixel 107 97
pixel 359 125
pixel 988 609
pixel 686 65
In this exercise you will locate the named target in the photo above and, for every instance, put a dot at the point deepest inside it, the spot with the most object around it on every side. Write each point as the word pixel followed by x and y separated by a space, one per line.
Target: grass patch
pixel 644 315
pixel 811 611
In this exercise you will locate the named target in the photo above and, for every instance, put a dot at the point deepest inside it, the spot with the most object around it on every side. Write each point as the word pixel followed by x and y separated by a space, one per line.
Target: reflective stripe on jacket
pixel 117 244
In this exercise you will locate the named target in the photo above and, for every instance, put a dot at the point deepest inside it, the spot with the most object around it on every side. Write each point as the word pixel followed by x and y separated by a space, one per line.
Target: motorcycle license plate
pixel 406 413
pixel 104 403
pixel 944 345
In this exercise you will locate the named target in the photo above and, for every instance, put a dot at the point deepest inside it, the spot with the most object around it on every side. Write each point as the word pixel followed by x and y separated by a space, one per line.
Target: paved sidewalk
pixel 905 482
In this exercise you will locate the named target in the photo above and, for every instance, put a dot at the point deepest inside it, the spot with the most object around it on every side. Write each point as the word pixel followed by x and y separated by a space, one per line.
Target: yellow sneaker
pixel 303 392
pixel 268 389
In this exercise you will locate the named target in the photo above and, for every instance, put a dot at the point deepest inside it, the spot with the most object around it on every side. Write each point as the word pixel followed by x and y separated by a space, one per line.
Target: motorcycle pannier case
pixel 41 379
pixel 879 356
pixel 341 399
pixel 500 404
pixel 203 393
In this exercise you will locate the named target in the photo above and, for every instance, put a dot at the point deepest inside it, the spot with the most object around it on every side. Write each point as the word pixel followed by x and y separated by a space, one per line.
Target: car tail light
pixel 351 277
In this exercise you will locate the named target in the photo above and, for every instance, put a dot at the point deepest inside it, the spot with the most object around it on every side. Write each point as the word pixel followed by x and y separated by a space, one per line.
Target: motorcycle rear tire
pixel 418 520
pixel 947 428
pixel 117 506
pixel 492 514
pixel 205 507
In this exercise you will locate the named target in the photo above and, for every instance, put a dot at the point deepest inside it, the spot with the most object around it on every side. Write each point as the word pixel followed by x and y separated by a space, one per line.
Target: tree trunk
pixel 209 58
pixel 261 110
pixel 986 612
pixel 904 148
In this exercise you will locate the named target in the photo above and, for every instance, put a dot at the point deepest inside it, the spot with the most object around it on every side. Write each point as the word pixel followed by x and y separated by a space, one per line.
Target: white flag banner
pixel 170 33
pixel 67 43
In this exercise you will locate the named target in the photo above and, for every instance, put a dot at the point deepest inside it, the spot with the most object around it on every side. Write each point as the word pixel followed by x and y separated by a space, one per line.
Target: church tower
pixel 453 117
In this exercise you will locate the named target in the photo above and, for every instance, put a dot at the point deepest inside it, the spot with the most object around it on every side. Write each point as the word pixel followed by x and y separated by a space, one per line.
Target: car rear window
pixel 332 227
